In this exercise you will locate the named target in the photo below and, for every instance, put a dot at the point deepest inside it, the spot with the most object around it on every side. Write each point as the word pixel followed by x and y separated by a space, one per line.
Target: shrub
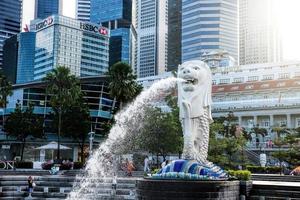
pixel 264 170
pixel 243 175
pixel 154 171
pixel 47 166
pixel 24 165
pixel 78 165
pixel 65 166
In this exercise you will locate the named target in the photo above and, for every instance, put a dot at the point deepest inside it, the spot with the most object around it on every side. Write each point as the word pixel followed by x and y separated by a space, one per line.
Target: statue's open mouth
pixel 191 81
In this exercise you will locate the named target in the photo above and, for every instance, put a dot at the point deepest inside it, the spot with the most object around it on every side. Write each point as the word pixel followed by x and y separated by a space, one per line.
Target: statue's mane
pixel 204 89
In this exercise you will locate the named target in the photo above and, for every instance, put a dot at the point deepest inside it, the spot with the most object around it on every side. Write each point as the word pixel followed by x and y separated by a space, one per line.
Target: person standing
pixel 146 164
pixel 30 185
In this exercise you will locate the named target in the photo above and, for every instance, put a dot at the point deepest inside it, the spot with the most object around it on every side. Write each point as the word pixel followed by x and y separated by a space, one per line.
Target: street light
pixel 91 134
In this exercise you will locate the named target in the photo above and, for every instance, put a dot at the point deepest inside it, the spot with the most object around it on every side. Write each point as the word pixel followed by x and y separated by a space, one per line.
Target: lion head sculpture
pixel 194 88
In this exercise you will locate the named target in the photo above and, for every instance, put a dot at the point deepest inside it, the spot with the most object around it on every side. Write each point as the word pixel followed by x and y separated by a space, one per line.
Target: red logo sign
pixel 102 31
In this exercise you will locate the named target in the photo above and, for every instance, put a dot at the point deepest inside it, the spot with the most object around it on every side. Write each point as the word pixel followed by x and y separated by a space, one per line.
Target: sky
pixel 288 12
pixel 289 22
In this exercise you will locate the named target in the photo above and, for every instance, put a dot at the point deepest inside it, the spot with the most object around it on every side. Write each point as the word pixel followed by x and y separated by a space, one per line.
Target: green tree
pixel 64 90
pixel 122 83
pixel 76 123
pixel 161 133
pixel 5 90
pixel 23 122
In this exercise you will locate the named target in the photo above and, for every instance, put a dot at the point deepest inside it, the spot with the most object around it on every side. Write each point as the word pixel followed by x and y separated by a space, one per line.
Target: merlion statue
pixel 194 99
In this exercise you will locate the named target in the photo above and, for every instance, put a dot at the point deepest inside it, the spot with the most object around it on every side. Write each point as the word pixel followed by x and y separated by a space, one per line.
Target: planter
pixel 245 187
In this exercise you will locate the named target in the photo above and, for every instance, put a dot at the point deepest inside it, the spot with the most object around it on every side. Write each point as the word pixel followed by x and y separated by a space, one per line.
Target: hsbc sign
pixel 93 28
pixel 45 23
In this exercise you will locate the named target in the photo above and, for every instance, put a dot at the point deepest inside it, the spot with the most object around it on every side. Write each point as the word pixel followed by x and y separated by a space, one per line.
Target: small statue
pixel 194 99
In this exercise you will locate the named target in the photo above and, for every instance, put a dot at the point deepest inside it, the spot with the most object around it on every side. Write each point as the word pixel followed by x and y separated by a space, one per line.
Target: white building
pixel 267 95
pixel 151 23
pixel 260 40
pixel 209 26
pixel 83 10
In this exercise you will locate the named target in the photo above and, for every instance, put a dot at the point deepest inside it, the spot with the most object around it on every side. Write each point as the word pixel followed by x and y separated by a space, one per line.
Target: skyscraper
pixel 260 40
pixel 208 26
pixel 152 37
pixel 174 34
pixel 10 58
pixel 115 15
pixel 10 21
pixel 26 51
pixel 62 41
pixel 45 8
pixel 83 10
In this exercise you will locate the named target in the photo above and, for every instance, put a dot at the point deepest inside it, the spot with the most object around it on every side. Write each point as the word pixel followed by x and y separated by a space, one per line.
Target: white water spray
pixel 101 164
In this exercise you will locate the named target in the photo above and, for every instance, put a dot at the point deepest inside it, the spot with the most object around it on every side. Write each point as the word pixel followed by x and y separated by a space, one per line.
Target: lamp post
pixel 91 134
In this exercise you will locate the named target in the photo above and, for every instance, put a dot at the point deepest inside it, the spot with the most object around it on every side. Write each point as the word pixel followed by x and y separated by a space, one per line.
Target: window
pixel 282 123
pixel 238 80
pixel 265 124
pixel 248 87
pixel 268 77
pixel 281 84
pixel 253 78
pixel 284 76
pixel 214 82
pixel 297 122
pixel 224 81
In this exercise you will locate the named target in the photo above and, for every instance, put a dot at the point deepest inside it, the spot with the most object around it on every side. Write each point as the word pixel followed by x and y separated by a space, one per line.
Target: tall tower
pixel 115 15
pixel 83 10
pixel 10 21
pixel 174 34
pixel 208 26
pixel 152 37
pixel 45 8
pixel 260 39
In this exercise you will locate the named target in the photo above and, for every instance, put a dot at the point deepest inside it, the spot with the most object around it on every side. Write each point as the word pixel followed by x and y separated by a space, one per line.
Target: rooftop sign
pixel 93 28
pixel 44 23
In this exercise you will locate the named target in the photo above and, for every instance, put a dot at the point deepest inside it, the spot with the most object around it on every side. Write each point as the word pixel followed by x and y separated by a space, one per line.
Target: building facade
pixel 151 24
pixel 45 8
pixel 115 15
pixel 26 52
pixel 62 41
pixel 218 58
pixel 266 94
pixel 209 26
pixel 10 58
pixel 83 10
pixel 10 21
pixel 260 38
pixel 101 107
pixel 174 34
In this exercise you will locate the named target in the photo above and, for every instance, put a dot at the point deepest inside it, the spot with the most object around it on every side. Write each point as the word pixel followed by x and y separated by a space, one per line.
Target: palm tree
pixel 122 83
pixel 5 91
pixel 64 90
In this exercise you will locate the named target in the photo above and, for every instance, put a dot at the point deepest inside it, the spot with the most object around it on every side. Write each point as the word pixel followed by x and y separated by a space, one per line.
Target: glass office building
pixel 115 15
pixel 10 58
pixel 10 21
pixel 45 8
pixel 62 41
pixel 209 26
pixel 26 50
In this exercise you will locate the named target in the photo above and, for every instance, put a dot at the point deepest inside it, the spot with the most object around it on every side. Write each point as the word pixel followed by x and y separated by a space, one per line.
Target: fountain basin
pixel 187 189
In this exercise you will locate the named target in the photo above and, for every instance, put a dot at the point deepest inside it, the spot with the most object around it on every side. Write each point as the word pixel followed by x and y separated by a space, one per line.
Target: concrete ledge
pixel 180 189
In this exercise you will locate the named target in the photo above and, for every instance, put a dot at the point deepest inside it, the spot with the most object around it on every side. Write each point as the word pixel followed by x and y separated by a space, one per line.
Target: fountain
pixel 192 177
